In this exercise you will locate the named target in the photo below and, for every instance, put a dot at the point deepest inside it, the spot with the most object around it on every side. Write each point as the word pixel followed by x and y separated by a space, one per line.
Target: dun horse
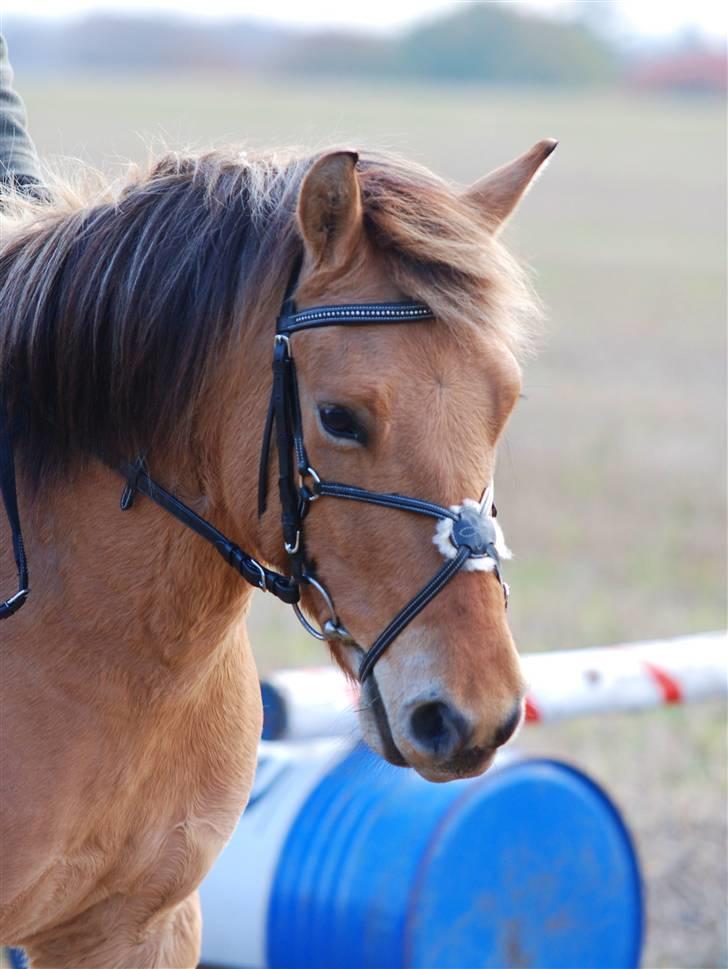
pixel 141 321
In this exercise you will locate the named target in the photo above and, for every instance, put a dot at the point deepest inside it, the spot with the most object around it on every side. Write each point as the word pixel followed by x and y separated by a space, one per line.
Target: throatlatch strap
pixel 282 586
pixel 10 499
pixel 284 414
pixel 264 464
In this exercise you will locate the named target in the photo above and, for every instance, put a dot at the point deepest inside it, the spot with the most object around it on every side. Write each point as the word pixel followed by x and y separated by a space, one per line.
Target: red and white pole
pixel 629 676
pixel 319 702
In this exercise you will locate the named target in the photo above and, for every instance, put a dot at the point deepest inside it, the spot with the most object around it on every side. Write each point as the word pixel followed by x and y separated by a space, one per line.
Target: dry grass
pixel 612 477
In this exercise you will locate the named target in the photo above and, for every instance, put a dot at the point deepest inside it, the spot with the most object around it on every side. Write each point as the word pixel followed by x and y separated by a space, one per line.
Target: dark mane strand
pixel 114 315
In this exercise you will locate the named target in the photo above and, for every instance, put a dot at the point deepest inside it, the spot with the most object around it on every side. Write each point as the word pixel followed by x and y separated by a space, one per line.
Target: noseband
pixel 467 535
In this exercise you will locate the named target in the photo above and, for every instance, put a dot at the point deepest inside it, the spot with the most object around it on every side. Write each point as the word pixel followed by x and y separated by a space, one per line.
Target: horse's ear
pixel 330 208
pixel 496 195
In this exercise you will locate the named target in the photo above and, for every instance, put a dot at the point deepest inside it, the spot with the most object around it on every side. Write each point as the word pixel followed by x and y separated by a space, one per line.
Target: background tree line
pixel 485 43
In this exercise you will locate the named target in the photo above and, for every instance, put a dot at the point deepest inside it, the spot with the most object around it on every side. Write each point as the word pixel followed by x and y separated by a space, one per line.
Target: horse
pixel 137 318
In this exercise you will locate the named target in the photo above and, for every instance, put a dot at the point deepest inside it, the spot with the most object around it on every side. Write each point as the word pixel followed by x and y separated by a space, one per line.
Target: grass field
pixel 612 476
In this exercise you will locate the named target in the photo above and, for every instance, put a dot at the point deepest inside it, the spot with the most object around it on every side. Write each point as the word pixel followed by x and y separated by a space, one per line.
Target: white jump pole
pixel 320 702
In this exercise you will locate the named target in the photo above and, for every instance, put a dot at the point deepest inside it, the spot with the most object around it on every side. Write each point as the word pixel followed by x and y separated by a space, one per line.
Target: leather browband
pixel 353 314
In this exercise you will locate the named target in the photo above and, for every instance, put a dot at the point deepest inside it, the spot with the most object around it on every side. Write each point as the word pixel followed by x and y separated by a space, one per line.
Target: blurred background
pixel 612 473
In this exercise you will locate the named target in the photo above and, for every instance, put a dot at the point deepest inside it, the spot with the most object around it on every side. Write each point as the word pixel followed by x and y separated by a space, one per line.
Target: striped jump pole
pixel 319 702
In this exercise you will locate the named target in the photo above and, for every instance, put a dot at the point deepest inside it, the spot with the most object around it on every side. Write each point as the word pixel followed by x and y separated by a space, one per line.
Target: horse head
pixel 409 410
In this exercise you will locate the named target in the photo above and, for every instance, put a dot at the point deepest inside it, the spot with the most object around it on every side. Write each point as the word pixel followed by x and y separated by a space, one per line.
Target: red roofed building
pixel 694 70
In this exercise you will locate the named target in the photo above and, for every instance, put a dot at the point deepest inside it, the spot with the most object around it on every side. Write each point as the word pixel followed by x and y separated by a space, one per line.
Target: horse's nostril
pixel 508 727
pixel 438 729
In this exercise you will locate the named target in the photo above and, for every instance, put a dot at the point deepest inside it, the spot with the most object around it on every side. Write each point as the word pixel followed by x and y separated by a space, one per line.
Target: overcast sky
pixel 652 17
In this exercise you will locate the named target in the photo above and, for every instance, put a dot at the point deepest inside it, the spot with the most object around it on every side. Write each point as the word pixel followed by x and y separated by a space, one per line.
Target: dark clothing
pixel 18 157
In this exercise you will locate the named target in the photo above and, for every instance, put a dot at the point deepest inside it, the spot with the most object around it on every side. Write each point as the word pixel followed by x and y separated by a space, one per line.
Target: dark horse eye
pixel 340 422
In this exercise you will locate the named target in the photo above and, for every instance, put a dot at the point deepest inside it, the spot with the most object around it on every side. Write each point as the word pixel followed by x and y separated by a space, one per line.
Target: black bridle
pixel 470 531
pixel 299 485
pixel 10 499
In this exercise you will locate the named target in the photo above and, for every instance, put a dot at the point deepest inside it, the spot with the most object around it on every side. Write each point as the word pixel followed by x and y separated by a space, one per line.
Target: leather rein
pixel 471 536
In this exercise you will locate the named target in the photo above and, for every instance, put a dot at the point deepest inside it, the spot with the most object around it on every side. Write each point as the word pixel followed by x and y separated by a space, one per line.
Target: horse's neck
pixel 137 589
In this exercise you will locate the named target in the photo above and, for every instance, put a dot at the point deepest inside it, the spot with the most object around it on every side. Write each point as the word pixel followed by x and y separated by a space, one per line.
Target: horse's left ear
pixel 330 208
pixel 497 194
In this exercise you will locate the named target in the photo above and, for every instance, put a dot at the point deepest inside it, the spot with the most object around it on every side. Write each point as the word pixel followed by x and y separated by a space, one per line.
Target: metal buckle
pixel 332 628
pixel 261 573
pixel 311 494
pixel 292 549
pixel 127 495
pixel 15 601
pixel 282 338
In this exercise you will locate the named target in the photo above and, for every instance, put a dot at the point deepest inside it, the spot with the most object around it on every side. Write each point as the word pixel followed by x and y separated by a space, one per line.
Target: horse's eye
pixel 340 422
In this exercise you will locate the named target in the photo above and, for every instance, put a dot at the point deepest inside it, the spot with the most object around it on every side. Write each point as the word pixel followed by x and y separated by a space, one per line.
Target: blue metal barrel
pixel 529 866
pixel 275 715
